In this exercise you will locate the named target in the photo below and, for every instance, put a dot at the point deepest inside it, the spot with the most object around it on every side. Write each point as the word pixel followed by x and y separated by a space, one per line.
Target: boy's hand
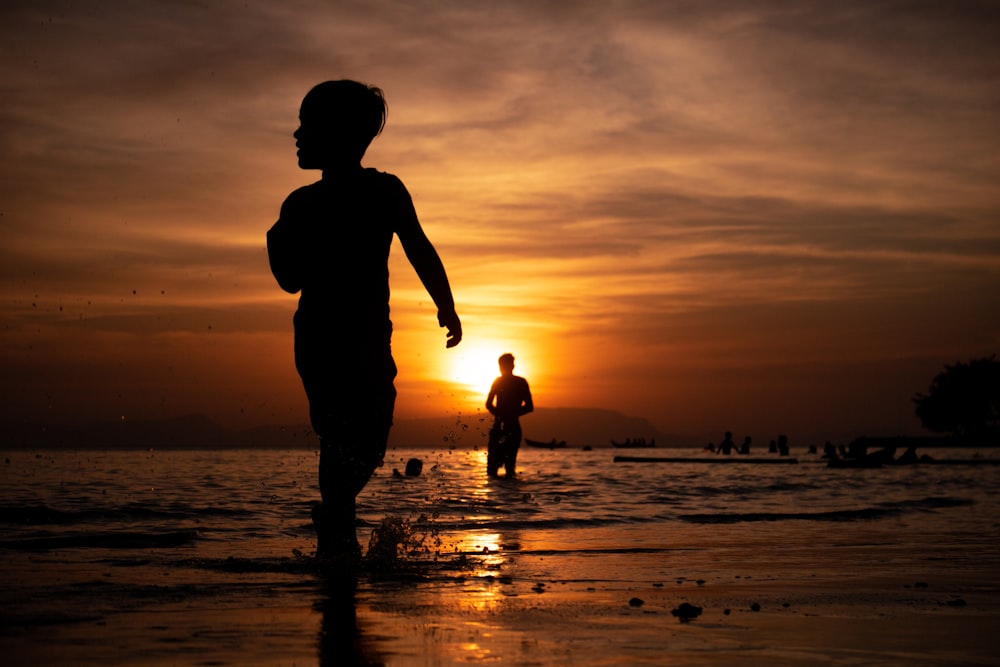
pixel 451 322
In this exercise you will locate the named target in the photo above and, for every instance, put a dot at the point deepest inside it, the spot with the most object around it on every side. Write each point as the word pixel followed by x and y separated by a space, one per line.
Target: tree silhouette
pixel 963 400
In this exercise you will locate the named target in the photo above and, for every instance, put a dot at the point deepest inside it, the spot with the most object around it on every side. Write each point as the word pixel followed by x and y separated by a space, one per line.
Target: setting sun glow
pixel 475 366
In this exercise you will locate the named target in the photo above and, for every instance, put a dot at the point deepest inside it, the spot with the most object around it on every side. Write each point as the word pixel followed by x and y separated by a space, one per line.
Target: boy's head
pixel 337 122
pixel 506 362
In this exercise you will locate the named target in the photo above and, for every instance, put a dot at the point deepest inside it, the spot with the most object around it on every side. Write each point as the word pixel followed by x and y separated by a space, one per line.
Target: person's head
pixel 337 122
pixel 506 362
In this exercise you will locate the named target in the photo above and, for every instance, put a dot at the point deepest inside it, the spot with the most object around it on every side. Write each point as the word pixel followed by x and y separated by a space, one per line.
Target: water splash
pixel 397 540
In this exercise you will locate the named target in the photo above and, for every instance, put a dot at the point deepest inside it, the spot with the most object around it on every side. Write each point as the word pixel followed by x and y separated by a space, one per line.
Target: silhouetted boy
pixel 331 242
pixel 509 398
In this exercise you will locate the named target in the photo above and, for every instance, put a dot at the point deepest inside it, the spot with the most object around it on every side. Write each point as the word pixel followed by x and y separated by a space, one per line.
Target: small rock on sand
pixel 686 612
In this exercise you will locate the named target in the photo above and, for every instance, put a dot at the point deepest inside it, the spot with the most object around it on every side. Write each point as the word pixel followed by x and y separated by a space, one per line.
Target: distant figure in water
pixel 413 468
pixel 745 447
pixel 726 446
pixel 783 445
pixel 509 398
pixel 331 243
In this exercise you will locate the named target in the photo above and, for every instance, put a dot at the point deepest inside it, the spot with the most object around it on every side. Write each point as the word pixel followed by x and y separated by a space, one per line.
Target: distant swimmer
pixel 726 446
pixel 508 400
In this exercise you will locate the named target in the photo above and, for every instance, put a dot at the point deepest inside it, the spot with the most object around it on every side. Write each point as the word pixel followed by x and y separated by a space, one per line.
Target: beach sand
pixel 522 615
pixel 581 564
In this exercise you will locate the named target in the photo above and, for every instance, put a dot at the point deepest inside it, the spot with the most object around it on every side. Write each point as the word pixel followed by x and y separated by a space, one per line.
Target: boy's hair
pixel 506 358
pixel 356 108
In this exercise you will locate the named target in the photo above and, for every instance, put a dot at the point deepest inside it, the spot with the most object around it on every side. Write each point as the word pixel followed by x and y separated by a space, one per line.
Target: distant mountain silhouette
pixel 185 432
pixel 577 426
pixel 591 426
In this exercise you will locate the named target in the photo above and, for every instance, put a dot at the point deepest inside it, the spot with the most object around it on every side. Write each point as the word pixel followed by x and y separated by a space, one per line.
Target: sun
pixel 475 366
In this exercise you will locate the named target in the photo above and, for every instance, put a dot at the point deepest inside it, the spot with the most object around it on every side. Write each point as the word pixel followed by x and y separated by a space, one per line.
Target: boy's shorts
pixel 349 387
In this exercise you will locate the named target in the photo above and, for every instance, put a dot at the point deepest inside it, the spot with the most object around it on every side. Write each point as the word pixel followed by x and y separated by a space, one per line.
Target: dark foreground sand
pixel 582 566
pixel 481 616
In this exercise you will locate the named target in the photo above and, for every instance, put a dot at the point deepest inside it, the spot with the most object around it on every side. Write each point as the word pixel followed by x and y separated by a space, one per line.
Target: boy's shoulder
pixel 381 179
pixel 368 179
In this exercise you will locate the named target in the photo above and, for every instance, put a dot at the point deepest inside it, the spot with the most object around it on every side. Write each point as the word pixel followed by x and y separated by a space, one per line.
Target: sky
pixel 757 216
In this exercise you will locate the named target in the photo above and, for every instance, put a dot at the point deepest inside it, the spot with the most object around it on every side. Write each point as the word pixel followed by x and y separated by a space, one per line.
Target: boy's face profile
pixel 337 122
pixel 319 146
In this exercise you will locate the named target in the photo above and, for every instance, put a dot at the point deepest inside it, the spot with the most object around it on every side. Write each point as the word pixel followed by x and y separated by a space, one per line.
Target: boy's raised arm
pixel 425 260
pixel 427 263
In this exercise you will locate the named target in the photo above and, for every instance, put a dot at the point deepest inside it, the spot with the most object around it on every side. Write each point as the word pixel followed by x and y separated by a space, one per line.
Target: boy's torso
pixel 511 391
pixel 344 233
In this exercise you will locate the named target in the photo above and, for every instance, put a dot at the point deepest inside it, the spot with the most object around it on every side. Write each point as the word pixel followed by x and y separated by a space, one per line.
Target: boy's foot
pixel 335 543
pixel 344 555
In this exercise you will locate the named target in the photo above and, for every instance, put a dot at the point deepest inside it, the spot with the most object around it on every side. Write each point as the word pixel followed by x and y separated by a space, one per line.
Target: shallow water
pixel 91 536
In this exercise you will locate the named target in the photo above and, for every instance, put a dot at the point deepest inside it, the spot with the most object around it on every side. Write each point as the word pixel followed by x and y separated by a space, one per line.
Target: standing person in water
pixel 509 398
pixel 726 446
pixel 331 243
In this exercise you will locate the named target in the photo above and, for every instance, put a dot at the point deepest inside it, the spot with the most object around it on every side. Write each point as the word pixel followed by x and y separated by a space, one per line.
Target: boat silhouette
pixel 551 444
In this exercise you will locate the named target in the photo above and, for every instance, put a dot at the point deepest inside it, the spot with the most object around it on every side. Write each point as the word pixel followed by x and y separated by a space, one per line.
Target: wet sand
pixel 581 563
pixel 522 615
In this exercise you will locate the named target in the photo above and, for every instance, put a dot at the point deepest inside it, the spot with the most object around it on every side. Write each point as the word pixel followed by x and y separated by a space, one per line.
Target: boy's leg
pixel 348 457
pixel 495 449
pixel 510 464
pixel 351 401
pixel 353 428
pixel 491 454
pixel 510 451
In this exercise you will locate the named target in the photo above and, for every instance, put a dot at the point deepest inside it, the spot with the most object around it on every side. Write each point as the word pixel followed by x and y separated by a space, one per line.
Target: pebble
pixel 686 612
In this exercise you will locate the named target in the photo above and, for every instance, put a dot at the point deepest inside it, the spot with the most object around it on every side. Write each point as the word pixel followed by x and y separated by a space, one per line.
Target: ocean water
pixel 89 536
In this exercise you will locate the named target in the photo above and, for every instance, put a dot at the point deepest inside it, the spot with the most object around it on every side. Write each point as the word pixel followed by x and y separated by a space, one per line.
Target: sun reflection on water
pixel 487 546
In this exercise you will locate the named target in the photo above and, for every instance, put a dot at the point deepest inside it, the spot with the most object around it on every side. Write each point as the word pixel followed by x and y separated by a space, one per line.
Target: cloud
pixel 689 184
